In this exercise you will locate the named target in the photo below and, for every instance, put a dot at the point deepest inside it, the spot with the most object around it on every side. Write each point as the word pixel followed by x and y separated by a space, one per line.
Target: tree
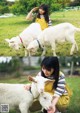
pixel 4 7
pixel 24 6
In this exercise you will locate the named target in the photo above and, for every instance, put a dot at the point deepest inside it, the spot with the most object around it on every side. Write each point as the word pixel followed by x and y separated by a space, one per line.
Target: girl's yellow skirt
pixel 62 103
pixel 61 106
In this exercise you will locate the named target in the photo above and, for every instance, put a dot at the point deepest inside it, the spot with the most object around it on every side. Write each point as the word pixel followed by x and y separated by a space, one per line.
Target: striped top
pixel 60 90
pixel 60 86
pixel 50 22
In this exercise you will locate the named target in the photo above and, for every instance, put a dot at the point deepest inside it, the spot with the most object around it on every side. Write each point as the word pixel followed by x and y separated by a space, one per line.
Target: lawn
pixel 10 27
pixel 73 82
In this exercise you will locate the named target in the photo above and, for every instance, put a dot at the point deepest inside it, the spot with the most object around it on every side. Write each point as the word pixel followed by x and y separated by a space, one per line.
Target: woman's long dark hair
pixel 51 63
pixel 46 13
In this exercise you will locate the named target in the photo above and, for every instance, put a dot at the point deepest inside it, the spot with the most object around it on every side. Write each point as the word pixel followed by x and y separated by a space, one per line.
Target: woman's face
pixel 41 11
pixel 46 72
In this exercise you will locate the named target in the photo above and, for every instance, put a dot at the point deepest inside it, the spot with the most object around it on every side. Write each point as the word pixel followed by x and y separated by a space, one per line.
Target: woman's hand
pixel 35 9
pixel 52 109
pixel 27 87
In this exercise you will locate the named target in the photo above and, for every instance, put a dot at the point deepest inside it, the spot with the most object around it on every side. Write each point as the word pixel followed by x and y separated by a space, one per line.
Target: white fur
pixel 45 97
pixel 16 95
pixel 55 34
pixel 28 35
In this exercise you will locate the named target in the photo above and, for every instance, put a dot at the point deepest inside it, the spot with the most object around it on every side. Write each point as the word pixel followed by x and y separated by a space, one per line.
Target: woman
pixel 50 69
pixel 41 17
pixel 61 96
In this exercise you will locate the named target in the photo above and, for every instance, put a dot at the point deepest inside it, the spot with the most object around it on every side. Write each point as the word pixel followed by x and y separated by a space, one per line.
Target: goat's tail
pixel 77 29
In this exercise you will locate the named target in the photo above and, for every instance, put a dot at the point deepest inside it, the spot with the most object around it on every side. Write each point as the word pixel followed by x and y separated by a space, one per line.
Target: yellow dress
pixel 64 100
pixel 42 23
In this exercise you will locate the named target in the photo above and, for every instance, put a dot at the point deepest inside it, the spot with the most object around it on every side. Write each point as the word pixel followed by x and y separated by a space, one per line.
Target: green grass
pixel 10 27
pixel 73 82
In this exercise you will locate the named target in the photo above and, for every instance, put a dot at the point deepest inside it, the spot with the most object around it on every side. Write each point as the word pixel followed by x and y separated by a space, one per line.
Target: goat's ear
pixel 11 41
pixel 30 78
pixel 7 40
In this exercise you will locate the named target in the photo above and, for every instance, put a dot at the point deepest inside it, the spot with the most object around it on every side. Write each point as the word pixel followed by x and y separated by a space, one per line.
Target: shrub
pixel 17 9
pixel 56 7
pixel 4 9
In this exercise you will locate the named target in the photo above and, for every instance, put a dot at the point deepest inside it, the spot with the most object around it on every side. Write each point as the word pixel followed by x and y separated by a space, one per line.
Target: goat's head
pixel 45 100
pixel 13 43
pixel 45 91
pixel 42 84
pixel 32 47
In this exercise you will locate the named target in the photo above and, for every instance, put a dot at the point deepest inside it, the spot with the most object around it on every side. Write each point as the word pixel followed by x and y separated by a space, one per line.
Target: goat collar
pixel 32 93
pixel 22 42
pixel 39 45
pixel 30 90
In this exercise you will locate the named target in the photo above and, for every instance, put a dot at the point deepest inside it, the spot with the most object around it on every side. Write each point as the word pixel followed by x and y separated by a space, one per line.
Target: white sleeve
pixel 60 86
pixel 50 22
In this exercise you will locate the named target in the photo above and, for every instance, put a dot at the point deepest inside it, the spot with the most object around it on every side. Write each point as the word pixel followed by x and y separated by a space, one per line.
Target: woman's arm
pixel 30 14
pixel 53 107
pixel 60 86
pixel 58 92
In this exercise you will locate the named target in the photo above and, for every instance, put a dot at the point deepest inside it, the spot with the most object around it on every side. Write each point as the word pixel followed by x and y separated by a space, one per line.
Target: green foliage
pixel 18 9
pixel 30 68
pixel 23 7
pixel 56 7
pixel 13 65
pixel 3 7
pixel 17 74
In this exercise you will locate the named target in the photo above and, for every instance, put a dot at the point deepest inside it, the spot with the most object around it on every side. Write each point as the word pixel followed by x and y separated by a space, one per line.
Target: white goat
pixel 55 34
pixel 45 97
pixel 16 95
pixel 24 38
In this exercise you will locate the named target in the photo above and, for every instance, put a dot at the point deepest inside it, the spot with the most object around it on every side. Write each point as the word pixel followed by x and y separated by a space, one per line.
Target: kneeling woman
pixel 61 92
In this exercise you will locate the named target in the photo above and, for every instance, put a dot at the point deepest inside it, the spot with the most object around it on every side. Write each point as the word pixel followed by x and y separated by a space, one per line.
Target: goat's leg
pixel 74 46
pixel 24 108
pixel 53 49
pixel 70 38
pixel 44 51
pixel 26 53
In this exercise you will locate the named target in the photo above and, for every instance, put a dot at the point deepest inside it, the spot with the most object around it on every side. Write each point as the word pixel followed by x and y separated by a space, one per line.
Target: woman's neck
pixel 41 16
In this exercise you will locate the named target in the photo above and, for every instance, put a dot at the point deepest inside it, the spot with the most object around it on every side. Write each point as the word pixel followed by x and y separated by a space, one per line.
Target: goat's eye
pixel 45 98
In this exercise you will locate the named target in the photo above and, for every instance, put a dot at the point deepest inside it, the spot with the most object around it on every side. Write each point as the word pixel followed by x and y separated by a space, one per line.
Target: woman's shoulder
pixel 61 74
pixel 39 73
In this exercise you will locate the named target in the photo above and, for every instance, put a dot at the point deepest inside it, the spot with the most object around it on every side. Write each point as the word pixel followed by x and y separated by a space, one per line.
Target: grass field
pixel 10 27
pixel 73 82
